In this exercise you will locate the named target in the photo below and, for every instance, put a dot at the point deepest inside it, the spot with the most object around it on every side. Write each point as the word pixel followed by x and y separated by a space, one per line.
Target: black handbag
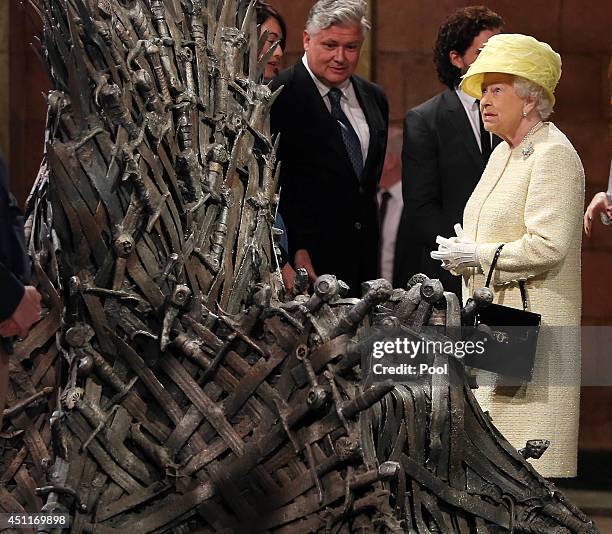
pixel 512 336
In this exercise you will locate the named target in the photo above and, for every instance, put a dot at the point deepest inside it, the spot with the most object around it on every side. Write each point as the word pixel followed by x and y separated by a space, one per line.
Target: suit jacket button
pixel 357 226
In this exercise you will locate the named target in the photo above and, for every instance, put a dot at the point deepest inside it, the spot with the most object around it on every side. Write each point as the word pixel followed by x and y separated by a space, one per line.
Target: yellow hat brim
pixel 517 55
pixel 472 85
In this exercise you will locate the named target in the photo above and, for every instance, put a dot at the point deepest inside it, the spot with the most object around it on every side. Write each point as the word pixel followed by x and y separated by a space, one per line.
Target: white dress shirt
pixel 471 108
pixel 389 228
pixel 349 104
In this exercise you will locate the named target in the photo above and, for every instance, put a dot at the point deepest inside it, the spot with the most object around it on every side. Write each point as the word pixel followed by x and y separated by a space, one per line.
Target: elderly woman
pixel 530 199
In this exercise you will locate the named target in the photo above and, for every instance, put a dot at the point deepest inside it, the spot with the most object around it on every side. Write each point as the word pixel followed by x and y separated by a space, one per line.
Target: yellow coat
pixel 531 198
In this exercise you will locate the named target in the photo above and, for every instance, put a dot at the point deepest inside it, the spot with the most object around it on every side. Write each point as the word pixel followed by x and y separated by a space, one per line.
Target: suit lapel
pixel 373 118
pixel 459 119
pixel 318 115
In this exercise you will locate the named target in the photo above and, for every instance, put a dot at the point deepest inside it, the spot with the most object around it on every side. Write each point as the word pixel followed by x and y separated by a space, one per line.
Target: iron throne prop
pixel 194 393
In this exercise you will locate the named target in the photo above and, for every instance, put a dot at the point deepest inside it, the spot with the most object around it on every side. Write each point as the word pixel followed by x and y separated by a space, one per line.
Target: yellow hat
pixel 513 53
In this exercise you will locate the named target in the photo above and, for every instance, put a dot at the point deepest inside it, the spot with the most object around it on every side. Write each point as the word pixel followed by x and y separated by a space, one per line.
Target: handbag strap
pixel 490 275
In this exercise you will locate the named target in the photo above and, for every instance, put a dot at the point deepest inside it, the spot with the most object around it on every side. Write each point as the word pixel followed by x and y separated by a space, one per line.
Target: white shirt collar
pixel 468 100
pixel 323 89
pixel 395 190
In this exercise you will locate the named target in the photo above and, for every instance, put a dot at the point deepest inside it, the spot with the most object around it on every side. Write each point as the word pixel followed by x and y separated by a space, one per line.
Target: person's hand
pixel 302 260
pixel 456 252
pixel 24 316
pixel 288 275
pixel 9 328
pixel 599 205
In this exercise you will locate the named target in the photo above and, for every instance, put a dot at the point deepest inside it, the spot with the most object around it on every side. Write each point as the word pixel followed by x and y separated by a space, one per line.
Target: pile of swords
pixel 173 384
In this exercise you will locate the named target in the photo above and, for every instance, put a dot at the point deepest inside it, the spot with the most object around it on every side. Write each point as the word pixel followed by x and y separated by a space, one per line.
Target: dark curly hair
pixel 457 33
pixel 264 12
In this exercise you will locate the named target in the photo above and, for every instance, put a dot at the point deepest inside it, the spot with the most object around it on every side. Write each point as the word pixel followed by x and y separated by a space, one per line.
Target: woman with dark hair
pixel 269 20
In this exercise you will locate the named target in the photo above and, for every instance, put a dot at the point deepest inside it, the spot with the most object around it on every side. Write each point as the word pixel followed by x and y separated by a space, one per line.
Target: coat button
pixel 357 226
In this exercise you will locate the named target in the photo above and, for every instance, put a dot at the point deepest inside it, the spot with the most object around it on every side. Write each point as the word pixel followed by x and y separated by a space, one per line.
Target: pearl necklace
pixel 527 150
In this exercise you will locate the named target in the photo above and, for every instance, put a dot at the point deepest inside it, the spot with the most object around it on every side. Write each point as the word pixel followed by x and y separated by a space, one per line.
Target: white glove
pixel 457 252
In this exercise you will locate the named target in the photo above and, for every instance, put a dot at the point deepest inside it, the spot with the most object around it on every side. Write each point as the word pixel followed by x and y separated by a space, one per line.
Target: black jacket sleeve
pixel 13 260
pixel 421 186
pixel 294 194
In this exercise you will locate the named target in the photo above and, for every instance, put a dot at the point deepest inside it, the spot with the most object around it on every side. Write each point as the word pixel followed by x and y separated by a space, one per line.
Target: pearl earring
pixel 524 114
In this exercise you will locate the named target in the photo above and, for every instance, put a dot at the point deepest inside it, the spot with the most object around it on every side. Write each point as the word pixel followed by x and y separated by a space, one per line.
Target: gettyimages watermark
pixel 403 356
pixel 545 356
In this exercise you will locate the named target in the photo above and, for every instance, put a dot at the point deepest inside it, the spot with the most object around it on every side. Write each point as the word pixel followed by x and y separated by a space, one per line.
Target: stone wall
pixel 4 79
pixel 28 87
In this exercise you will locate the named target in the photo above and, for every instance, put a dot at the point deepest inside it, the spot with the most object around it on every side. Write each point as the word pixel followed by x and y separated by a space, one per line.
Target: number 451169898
pixel 24 520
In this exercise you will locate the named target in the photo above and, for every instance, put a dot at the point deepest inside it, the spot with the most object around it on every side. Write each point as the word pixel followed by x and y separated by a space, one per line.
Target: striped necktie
pixel 349 136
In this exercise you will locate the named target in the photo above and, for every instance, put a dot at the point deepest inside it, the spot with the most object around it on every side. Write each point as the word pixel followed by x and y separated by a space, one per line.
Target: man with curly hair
pixel 445 149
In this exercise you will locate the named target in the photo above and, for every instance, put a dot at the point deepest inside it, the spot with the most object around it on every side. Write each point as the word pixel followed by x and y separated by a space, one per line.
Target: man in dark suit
pixel 333 127
pixel 445 150
pixel 20 303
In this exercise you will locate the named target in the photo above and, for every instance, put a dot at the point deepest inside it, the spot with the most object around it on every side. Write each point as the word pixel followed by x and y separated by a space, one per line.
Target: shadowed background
pixel 399 58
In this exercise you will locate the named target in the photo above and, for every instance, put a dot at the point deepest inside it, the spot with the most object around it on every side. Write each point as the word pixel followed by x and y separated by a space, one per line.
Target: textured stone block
pixel 539 18
pixel 591 142
pixel 596 361
pixel 4 78
pixel 433 15
pixel 421 81
pixel 4 26
pixel 4 104
pixel 399 25
pixel 595 419
pixel 583 91
pixel 596 301
pixel 586 26
pixel 27 139
pixel 391 76
pixel 295 14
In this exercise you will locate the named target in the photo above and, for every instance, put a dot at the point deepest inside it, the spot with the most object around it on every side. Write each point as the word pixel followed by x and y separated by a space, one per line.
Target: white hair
pixel 325 13
pixel 527 89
